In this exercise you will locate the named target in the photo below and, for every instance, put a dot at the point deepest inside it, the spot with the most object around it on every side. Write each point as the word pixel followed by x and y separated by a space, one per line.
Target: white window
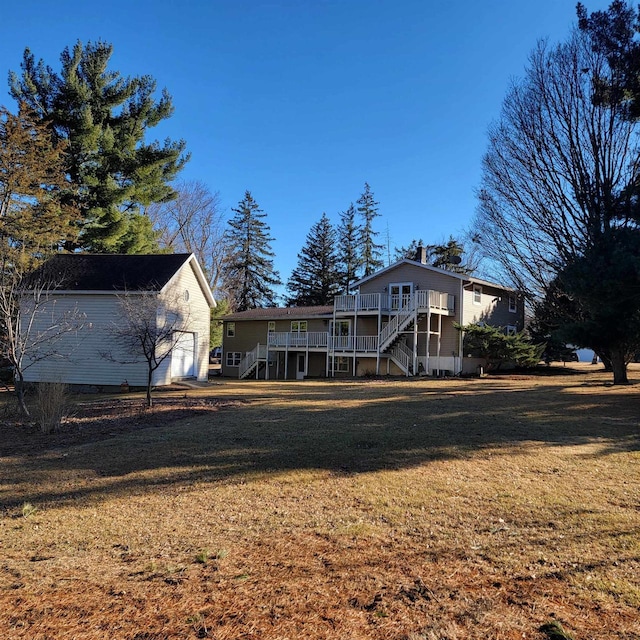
pixel 477 294
pixel 298 326
pixel 341 364
pixel 400 294
pixel 513 308
pixel 511 329
pixel 231 329
pixel 271 326
pixel 233 358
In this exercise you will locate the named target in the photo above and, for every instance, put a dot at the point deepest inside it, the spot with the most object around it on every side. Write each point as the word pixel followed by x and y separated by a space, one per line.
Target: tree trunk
pixel 149 379
pixel 619 367
pixel 606 360
pixel 19 387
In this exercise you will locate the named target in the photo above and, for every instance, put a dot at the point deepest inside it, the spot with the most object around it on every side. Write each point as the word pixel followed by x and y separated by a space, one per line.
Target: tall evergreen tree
pixel 348 250
pixel 35 221
pixel 249 273
pixel 104 118
pixel 371 251
pixel 315 280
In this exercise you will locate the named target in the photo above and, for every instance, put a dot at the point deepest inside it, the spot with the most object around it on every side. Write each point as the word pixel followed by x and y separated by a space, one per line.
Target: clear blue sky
pixel 302 101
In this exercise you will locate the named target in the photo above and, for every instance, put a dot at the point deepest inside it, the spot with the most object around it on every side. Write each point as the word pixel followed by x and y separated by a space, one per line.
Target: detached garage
pixel 99 290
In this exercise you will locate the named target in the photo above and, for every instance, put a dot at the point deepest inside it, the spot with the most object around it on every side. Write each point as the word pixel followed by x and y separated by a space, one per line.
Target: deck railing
pixel 251 358
pixel 360 344
pixel 423 299
pixel 402 355
pixel 357 302
pixel 311 339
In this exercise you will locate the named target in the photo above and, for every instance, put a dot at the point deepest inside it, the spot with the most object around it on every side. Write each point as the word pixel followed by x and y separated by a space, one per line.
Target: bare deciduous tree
pixel 35 327
pixel 559 187
pixel 148 330
pixel 194 223
pixel 557 169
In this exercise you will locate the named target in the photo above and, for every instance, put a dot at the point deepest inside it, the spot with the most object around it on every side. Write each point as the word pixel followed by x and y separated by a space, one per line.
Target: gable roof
pixel 458 276
pixel 113 273
pixel 278 313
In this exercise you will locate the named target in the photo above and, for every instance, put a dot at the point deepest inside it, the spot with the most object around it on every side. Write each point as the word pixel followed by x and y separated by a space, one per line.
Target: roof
pixel 277 313
pixel 112 273
pixel 458 276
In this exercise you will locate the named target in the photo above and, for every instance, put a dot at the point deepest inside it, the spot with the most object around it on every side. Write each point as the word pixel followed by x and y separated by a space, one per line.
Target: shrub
pixel 51 406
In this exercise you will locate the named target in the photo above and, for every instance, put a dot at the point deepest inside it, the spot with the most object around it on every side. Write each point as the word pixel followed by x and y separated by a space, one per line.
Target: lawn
pixel 381 509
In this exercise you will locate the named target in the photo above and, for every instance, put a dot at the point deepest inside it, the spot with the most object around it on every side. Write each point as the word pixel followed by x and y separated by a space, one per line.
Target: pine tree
pixel 315 279
pixel 348 252
pixel 371 252
pixel 249 273
pixel 104 118
pixel 35 219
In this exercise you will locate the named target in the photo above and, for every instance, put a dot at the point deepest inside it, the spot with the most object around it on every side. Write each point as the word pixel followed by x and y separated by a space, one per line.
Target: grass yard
pixel 395 510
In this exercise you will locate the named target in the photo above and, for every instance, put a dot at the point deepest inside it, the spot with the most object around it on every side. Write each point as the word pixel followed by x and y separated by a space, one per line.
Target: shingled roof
pixel 112 272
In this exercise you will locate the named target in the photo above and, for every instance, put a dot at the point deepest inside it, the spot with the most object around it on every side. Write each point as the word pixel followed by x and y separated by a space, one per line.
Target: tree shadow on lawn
pixel 363 429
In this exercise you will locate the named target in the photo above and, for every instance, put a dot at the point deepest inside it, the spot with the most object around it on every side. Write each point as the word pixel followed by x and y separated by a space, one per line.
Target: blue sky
pixel 303 101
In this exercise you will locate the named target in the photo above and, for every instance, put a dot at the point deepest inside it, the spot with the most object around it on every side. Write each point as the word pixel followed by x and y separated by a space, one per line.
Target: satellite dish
pixel 455 260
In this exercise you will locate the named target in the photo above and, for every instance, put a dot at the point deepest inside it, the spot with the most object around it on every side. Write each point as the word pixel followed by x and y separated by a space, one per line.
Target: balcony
pixel 302 340
pixel 427 300
pixel 322 341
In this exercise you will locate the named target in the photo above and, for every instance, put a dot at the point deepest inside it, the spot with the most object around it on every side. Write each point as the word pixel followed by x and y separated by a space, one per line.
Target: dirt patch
pixel 92 421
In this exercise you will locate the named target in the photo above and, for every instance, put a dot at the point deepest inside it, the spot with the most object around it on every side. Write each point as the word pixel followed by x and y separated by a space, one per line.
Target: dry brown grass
pixel 413 510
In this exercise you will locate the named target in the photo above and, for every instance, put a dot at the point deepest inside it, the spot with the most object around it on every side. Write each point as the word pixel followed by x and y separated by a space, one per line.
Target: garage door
pixel 183 360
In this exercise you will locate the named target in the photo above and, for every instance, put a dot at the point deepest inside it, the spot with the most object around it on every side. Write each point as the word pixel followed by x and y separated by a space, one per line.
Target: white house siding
pixel 90 355
pixel 199 319
pixel 81 358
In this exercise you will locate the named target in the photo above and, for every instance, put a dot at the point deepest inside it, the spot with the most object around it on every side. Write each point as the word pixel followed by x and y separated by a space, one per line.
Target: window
pixel 513 308
pixel 231 329
pixel 511 330
pixel 341 332
pixel 233 358
pixel 185 295
pixel 341 364
pixel 298 326
pixel 341 328
pixel 271 326
pixel 477 294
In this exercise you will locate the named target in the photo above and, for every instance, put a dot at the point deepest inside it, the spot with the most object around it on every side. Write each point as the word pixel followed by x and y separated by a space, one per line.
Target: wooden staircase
pixel 252 361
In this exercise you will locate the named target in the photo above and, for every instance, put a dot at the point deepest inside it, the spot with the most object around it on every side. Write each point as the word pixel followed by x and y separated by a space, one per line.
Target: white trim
pixel 202 281
pixel 477 288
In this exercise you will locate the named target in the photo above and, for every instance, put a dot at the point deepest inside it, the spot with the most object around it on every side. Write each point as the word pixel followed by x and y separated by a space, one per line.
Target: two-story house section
pixel 400 321
pixel 276 343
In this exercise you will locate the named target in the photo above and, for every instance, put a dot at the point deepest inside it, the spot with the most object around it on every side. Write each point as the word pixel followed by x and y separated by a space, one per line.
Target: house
pixel 401 321
pixel 94 288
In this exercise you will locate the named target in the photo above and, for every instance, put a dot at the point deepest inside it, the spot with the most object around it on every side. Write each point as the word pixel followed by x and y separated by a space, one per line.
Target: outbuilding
pixel 93 289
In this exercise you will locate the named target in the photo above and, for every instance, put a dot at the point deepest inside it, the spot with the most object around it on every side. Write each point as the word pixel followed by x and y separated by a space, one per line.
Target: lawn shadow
pixel 343 428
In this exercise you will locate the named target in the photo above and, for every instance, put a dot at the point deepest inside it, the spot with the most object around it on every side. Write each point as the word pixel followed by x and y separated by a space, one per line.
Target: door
pixel 183 356
pixel 399 294
pixel 301 368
